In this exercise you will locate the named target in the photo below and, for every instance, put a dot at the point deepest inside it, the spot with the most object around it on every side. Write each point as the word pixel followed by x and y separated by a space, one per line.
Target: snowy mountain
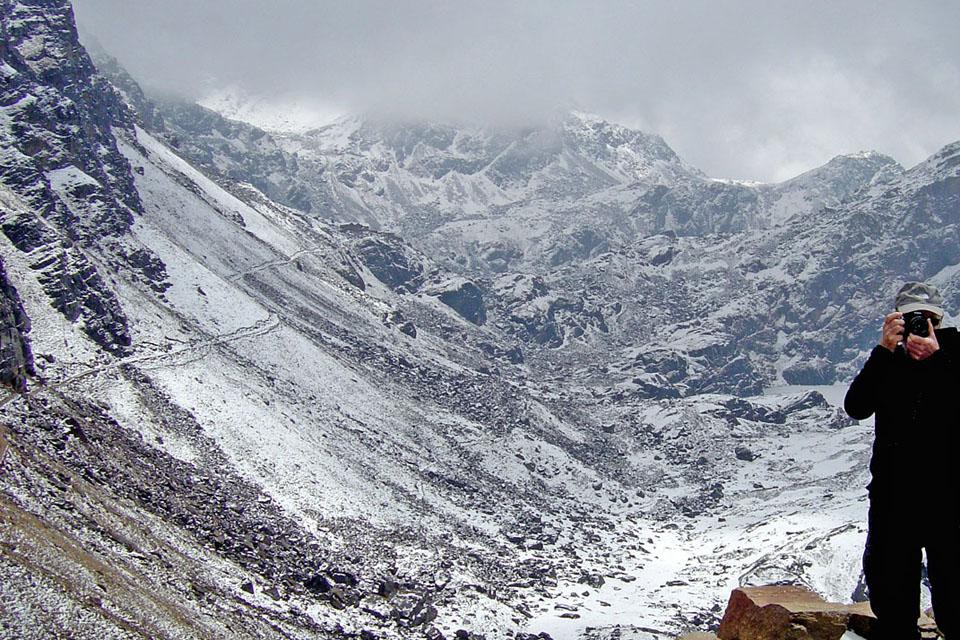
pixel 550 194
pixel 530 394
pixel 494 204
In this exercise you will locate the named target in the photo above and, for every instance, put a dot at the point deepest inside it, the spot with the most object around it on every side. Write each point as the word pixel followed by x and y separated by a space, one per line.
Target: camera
pixel 914 323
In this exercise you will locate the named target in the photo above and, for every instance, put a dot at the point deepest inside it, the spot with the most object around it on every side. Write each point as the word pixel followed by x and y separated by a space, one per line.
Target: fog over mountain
pixel 786 86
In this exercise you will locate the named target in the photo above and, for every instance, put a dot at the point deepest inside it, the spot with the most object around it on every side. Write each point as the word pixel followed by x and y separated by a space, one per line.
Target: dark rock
pixel 16 357
pixel 516 538
pixel 274 592
pixel 349 273
pixel 342 596
pixel 388 588
pixel 344 577
pixel 464 297
pixel 318 584
pixel 513 355
pixel 739 376
pixel 818 371
pixel 746 410
pixel 434 634
pixel 412 610
pixel 716 491
pixel 654 386
pixel 595 580
pixel 424 613
pixel 68 131
pixel 809 400
pixel 392 262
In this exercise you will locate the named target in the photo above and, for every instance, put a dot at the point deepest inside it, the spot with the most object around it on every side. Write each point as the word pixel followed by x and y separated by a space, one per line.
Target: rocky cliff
pixel 16 357
pixel 60 156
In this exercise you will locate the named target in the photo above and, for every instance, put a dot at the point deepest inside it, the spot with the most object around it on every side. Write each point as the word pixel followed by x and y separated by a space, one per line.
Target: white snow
pixel 274 113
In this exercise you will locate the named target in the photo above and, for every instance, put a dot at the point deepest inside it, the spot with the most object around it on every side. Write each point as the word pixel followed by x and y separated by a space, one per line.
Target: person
pixel 912 386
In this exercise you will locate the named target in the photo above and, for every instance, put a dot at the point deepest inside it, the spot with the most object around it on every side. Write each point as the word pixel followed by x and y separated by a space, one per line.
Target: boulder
pixel 393 262
pixel 784 612
pixel 745 454
pixel 464 297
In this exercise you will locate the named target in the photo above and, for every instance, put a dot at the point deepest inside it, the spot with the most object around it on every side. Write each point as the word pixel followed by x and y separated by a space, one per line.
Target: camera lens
pixel 914 323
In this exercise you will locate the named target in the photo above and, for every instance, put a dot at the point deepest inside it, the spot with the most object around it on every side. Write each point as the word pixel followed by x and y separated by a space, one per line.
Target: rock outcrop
pixel 464 297
pixel 16 358
pixel 789 612
pixel 59 120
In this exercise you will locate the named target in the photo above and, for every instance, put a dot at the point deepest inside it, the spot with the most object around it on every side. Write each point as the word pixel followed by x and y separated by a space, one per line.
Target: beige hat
pixel 919 296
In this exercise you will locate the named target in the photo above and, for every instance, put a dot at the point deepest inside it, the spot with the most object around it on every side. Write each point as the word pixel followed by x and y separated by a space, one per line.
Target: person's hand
pixel 920 348
pixel 892 330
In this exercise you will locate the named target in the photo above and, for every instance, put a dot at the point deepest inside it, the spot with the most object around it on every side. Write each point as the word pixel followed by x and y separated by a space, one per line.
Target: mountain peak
pixel 865 155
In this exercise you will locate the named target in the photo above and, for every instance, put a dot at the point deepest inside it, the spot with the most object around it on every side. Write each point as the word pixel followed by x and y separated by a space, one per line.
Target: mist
pixel 747 90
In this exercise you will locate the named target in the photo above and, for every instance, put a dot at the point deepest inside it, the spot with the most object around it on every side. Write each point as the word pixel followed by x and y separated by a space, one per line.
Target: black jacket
pixel 917 407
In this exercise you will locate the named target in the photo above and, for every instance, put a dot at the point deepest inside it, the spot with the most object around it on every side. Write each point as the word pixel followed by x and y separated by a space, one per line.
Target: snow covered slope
pixel 265 401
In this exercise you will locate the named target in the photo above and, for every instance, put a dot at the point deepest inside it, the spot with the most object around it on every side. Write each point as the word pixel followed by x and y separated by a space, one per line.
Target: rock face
pixel 57 120
pixel 464 297
pixel 388 258
pixel 791 613
pixel 572 196
pixel 16 358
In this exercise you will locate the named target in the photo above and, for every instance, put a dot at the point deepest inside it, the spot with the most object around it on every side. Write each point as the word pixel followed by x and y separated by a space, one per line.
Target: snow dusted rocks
pixel 60 157
pixel 389 259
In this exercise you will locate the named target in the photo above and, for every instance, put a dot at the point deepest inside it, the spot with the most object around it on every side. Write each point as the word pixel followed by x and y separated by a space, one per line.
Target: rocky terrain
pixel 418 380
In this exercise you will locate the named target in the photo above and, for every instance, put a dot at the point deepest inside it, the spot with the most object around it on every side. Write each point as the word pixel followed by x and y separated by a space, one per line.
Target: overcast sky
pixel 751 90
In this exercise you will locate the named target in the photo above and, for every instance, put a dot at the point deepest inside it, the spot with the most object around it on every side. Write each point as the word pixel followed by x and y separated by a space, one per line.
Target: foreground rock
pixel 791 612
pixel 779 612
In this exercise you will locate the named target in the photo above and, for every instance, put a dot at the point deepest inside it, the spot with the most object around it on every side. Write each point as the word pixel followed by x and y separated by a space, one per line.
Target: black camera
pixel 915 323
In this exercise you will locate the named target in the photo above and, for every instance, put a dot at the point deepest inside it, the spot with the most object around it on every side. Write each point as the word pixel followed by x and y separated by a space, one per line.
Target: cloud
pixel 745 89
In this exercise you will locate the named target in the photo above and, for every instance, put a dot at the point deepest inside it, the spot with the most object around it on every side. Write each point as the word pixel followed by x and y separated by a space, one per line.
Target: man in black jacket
pixel 911 381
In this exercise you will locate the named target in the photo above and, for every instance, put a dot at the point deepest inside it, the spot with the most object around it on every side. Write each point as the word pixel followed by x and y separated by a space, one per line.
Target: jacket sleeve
pixel 946 358
pixel 864 393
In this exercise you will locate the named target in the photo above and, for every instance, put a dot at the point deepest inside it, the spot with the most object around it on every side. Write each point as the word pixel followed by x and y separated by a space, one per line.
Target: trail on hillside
pixel 199 349
pixel 270 264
